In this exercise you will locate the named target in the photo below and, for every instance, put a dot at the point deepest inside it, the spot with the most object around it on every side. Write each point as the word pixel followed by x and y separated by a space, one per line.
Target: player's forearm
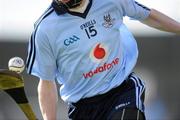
pixel 162 22
pixel 47 95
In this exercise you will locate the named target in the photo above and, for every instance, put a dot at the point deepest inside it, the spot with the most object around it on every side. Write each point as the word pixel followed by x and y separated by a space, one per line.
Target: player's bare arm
pixel 47 95
pixel 162 22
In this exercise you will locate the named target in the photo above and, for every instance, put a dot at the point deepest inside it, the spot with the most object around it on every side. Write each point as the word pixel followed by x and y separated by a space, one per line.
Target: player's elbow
pixel 44 86
pixel 41 86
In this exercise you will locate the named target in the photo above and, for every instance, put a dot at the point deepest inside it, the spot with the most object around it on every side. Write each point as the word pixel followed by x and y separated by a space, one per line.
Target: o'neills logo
pixel 100 69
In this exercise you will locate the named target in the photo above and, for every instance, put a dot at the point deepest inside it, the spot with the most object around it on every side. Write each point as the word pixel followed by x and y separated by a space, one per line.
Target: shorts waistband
pixel 100 97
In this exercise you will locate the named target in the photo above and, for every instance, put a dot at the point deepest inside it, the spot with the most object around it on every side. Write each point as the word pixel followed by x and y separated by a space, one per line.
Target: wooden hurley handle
pixel 26 108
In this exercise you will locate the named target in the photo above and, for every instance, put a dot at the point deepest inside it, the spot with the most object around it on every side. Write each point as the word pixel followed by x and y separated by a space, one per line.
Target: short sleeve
pixel 133 9
pixel 41 61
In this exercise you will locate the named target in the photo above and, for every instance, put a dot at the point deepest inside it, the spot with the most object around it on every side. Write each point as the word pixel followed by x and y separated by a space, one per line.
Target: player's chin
pixel 65 1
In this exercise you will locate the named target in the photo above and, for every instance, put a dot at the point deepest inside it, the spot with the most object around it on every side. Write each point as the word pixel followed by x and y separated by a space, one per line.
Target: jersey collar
pixel 62 10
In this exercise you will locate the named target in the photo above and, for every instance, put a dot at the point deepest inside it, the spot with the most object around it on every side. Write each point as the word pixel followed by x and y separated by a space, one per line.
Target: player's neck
pixel 81 8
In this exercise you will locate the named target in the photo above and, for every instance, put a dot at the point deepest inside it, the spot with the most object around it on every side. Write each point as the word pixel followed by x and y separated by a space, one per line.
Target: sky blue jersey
pixel 87 53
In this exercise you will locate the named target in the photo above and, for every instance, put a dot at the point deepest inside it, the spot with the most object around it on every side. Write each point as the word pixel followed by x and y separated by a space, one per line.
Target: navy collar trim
pixel 61 10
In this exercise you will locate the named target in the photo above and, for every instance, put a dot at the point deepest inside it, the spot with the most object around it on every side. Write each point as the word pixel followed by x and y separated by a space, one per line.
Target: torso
pixel 91 52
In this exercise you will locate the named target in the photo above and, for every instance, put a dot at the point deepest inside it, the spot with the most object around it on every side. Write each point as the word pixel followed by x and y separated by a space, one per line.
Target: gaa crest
pixel 108 21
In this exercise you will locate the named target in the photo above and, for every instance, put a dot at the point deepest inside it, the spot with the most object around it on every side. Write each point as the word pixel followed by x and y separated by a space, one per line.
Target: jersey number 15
pixel 91 31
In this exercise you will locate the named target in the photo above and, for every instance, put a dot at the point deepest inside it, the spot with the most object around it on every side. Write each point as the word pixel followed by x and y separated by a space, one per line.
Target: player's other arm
pixel 162 22
pixel 47 95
